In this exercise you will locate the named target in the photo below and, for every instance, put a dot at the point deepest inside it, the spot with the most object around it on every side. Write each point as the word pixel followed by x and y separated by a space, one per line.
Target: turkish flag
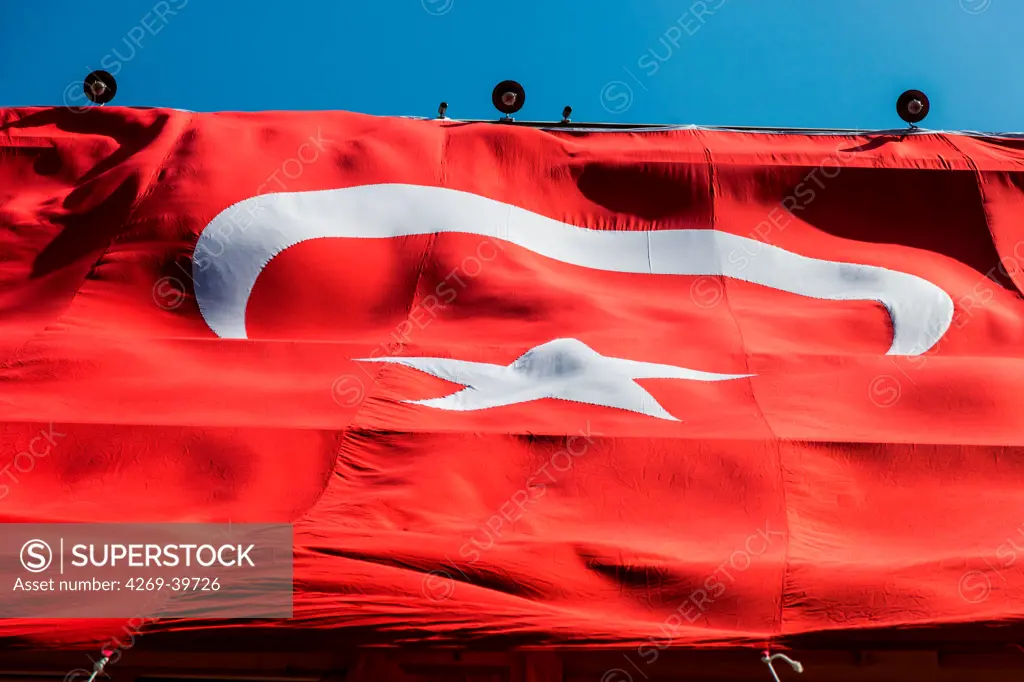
pixel 677 388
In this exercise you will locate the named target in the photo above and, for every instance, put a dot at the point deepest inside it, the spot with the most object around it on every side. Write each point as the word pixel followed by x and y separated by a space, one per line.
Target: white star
pixel 566 369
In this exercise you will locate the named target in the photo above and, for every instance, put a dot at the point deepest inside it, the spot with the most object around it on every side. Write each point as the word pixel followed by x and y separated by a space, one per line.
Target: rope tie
pixel 769 658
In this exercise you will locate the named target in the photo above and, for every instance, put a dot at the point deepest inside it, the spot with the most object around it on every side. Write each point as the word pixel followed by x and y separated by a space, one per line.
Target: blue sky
pixel 800 63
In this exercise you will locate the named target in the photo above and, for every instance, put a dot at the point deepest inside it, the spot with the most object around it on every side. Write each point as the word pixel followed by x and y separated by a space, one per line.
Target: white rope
pixel 97 667
pixel 770 658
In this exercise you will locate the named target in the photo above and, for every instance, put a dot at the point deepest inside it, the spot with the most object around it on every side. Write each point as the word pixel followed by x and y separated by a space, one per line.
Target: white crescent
pixel 231 253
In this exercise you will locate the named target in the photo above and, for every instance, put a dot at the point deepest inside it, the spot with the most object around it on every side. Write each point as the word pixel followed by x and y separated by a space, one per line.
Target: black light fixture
pixel 100 87
pixel 912 106
pixel 442 110
pixel 566 113
pixel 508 98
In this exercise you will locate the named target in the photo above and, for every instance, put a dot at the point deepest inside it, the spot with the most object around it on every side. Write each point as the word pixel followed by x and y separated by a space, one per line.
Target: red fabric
pixel 848 489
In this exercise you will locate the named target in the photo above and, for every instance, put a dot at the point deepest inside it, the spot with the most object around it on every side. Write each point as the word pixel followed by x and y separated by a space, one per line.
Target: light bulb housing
pixel 508 97
pixel 913 106
pixel 100 87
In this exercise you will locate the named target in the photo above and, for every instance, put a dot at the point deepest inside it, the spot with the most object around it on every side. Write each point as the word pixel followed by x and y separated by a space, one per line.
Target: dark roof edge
pixel 644 127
